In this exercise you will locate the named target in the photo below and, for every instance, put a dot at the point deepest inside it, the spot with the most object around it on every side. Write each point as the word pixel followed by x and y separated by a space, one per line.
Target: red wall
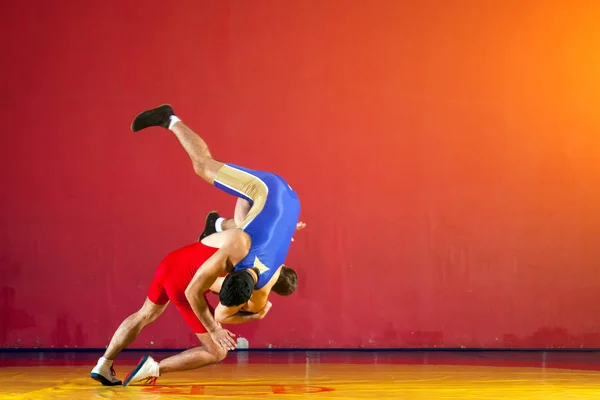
pixel 446 154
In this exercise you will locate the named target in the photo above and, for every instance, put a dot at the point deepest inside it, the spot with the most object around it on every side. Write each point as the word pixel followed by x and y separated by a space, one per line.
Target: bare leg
pixel 228 223
pixel 129 329
pixel 204 165
pixel 208 353
pixel 242 206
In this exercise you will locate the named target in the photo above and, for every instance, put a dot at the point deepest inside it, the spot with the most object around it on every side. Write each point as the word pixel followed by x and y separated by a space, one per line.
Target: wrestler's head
pixel 286 283
pixel 236 289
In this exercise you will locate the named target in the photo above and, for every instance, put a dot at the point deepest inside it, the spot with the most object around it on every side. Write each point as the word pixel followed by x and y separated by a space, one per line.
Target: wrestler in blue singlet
pixel 271 221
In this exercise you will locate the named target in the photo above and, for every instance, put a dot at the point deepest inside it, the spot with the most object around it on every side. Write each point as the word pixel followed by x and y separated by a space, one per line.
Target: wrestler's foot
pixel 210 228
pixel 159 116
pixel 105 374
pixel 146 369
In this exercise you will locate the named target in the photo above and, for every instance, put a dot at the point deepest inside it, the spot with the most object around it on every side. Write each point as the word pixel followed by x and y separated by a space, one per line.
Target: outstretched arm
pixel 212 268
pixel 251 311
pixel 234 315
pixel 235 247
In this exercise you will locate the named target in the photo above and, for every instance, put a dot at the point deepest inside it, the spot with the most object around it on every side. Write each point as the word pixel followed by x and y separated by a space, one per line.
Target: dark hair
pixel 236 289
pixel 286 283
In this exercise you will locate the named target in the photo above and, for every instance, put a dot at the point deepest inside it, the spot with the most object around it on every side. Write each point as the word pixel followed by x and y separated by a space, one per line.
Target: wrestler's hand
pixel 223 338
pixel 263 311
pixel 299 226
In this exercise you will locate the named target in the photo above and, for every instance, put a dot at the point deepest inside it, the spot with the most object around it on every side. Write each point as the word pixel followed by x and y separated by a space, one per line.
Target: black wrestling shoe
pixel 210 228
pixel 159 116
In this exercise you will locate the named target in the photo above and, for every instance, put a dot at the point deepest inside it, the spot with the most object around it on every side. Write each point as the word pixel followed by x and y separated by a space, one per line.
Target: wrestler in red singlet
pixel 173 276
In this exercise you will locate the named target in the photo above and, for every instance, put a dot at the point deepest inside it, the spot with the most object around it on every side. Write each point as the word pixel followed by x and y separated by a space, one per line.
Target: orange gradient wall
pixel 446 154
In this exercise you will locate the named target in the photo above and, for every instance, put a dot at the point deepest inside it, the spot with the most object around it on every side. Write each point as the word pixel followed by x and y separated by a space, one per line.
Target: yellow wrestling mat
pixel 315 381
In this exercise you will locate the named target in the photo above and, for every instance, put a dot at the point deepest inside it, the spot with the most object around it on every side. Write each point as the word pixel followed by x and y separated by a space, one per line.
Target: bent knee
pixel 200 169
pixel 218 355
pixel 146 318
pixel 206 167
pixel 148 315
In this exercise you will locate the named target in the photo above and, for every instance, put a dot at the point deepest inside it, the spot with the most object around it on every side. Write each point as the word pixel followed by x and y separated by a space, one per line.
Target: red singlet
pixel 173 276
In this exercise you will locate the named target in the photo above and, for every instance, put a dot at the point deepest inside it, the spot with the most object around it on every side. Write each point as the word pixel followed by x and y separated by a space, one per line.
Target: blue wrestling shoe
pixel 159 116
pixel 210 228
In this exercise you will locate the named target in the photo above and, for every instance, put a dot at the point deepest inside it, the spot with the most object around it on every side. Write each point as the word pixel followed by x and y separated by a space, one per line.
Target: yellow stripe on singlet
pixel 246 184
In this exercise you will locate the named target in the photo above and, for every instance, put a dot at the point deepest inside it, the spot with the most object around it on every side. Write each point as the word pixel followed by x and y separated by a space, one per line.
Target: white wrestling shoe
pixel 104 373
pixel 147 369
